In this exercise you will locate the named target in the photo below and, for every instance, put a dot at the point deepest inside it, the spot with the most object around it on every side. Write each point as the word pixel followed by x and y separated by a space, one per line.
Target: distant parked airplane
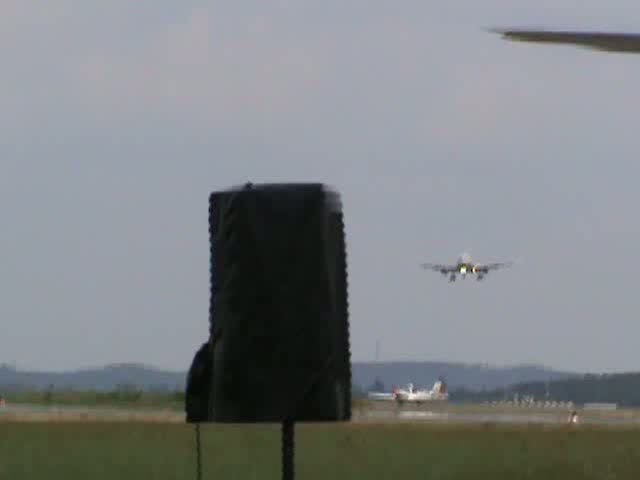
pixel 465 266
pixel 412 395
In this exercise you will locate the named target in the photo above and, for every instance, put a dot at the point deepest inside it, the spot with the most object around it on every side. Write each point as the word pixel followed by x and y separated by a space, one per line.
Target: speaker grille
pixel 279 305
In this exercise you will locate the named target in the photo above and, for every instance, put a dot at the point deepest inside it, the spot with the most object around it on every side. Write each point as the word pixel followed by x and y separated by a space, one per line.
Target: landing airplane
pixel 465 266
pixel 603 41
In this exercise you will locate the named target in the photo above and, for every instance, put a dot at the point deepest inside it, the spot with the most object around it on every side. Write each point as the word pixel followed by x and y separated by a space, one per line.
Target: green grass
pixel 137 451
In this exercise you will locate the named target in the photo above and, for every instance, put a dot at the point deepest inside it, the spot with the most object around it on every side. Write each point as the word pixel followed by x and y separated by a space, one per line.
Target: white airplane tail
pixel 439 390
pixel 440 387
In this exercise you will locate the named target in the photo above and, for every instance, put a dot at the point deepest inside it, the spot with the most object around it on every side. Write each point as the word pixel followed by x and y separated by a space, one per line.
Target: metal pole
pixel 288 443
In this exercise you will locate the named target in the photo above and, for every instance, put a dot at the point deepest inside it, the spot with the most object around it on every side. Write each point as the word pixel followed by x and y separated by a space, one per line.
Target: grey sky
pixel 118 121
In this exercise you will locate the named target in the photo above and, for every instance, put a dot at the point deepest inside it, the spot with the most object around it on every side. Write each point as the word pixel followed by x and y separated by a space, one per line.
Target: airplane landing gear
pixel 452 278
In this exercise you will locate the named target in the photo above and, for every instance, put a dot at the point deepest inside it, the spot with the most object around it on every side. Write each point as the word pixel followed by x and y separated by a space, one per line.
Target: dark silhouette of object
pixel 279 330
pixel 198 385
pixel 280 347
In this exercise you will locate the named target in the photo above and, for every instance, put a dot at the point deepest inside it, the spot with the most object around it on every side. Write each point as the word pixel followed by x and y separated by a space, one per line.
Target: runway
pixel 521 417
pixel 35 413
pixel 60 413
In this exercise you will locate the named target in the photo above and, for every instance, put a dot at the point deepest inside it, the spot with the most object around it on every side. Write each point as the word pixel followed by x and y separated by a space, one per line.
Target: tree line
pixel 620 388
pixel 123 395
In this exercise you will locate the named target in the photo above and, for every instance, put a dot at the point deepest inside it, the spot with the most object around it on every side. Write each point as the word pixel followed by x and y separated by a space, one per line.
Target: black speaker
pixel 197 392
pixel 279 345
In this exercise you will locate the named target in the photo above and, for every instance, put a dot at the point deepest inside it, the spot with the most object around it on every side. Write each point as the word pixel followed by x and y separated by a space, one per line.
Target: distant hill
pixel 99 379
pixel 457 375
pixel 471 377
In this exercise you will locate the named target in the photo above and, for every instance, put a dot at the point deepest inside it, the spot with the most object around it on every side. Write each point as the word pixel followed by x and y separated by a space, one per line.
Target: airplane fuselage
pixel 412 395
pixel 464 269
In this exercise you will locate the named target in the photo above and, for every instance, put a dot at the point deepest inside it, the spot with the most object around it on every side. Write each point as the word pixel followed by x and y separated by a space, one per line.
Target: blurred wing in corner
pixel 609 42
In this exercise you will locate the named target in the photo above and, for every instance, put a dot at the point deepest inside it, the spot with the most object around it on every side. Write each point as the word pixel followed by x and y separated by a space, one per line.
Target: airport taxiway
pixel 22 412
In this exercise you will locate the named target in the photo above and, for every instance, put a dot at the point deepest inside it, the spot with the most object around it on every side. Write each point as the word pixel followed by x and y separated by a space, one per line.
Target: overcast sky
pixel 118 121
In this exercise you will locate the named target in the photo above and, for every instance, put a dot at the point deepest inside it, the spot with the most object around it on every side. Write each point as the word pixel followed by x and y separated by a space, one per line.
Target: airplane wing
pixel 609 42
pixel 493 266
pixel 381 396
pixel 437 267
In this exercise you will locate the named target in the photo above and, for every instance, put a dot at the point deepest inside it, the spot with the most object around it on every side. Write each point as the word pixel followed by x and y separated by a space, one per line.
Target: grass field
pixel 127 398
pixel 136 451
